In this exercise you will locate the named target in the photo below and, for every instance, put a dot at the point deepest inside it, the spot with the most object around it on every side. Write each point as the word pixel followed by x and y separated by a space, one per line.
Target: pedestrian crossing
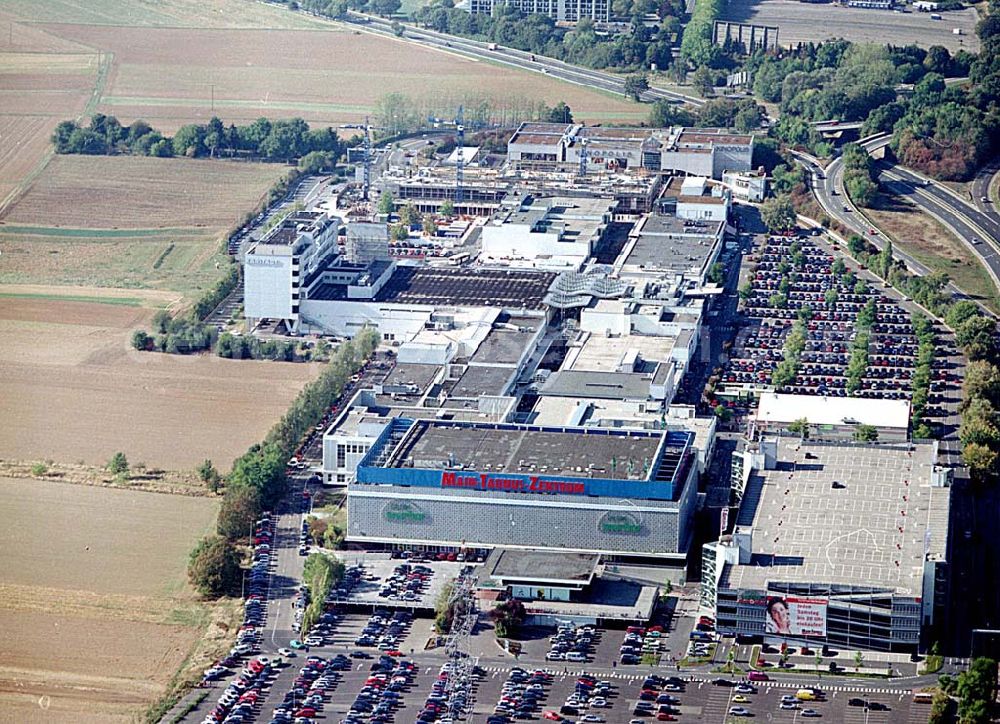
pixel 761 685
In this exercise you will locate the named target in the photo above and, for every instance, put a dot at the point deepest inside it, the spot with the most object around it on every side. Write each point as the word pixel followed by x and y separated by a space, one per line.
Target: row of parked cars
pixel 385 631
pixel 658 698
pixel 254 606
pixel 241 699
pixel 309 691
pixel 572 643
pixel 590 697
pixel 381 696
pixel 464 555
pixel 640 641
pixel 521 696
pixel 408 582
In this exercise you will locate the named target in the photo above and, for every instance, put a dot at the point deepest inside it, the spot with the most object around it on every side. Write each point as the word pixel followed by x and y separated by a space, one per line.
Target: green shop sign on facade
pixel 620 523
pixel 401 512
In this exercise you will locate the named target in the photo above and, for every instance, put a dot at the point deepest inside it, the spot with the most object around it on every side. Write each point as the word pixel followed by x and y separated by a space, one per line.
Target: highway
pixel 981 190
pixel 978 230
pixel 515 58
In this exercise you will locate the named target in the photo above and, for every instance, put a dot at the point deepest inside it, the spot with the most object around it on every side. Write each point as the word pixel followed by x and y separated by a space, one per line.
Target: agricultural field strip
pixel 98 233
pixel 174 13
pixel 120 301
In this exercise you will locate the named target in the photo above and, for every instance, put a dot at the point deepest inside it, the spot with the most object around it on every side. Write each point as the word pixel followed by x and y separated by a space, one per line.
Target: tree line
pixel 400 113
pixel 278 140
pixel 257 478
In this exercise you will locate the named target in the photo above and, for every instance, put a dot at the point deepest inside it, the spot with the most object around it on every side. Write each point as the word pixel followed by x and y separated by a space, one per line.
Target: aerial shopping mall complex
pixel 536 409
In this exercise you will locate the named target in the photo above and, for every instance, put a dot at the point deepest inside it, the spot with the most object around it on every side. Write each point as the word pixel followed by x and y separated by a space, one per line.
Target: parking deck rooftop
pixel 527 450
pixel 870 529
pixel 469 287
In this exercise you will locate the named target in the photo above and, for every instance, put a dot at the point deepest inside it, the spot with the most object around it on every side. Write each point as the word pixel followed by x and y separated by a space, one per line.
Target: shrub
pixel 213 567
pixel 118 464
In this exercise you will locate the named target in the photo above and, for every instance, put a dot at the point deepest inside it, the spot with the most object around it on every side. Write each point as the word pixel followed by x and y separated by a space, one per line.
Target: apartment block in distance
pixel 566 11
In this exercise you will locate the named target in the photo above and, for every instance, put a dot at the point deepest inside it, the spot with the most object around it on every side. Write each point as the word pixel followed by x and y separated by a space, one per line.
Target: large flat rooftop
pixel 666 243
pixel 467 287
pixel 406 383
pixel 527 450
pixel 857 515
pixel 606 354
pixel 509 565
pixel 480 380
pixel 507 340
pixel 598 385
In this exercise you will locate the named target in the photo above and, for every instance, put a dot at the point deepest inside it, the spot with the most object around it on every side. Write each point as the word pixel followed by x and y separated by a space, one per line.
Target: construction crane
pixel 459 157
pixel 367 145
pixel 583 157
pixel 459 125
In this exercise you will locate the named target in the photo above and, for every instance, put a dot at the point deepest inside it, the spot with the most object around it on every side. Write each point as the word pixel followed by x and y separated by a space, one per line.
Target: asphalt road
pixel 980 231
pixel 965 222
pixel 981 189
pixel 515 58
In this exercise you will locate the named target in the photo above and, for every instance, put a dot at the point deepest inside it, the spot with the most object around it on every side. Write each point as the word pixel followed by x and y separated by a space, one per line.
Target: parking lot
pixel 793 281
pixel 800 22
pixel 383 583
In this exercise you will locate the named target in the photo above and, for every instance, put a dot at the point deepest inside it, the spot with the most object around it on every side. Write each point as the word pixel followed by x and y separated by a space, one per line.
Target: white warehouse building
pixel 552 233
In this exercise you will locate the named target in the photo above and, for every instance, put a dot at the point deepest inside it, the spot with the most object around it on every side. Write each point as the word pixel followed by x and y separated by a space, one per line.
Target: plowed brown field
pixel 92 603
pixel 169 75
pixel 123 192
pixel 72 389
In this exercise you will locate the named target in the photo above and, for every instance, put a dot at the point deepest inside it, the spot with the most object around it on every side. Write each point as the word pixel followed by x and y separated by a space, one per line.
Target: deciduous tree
pixel 213 567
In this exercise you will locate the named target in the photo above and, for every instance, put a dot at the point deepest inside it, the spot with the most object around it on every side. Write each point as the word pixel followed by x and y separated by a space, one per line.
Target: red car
pixel 393 652
pixel 306 711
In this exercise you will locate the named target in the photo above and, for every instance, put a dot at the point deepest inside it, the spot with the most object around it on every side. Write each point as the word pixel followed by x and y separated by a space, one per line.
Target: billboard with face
pixel 796 616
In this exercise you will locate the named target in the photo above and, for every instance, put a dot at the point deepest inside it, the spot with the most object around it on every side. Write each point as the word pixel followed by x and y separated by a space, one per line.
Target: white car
pixel 286 652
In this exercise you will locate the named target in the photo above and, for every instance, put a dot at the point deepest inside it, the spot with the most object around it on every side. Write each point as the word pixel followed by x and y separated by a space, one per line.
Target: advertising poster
pixel 796 616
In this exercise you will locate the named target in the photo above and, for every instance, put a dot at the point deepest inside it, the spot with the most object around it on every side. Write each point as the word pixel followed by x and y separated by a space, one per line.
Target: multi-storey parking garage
pixel 623 493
